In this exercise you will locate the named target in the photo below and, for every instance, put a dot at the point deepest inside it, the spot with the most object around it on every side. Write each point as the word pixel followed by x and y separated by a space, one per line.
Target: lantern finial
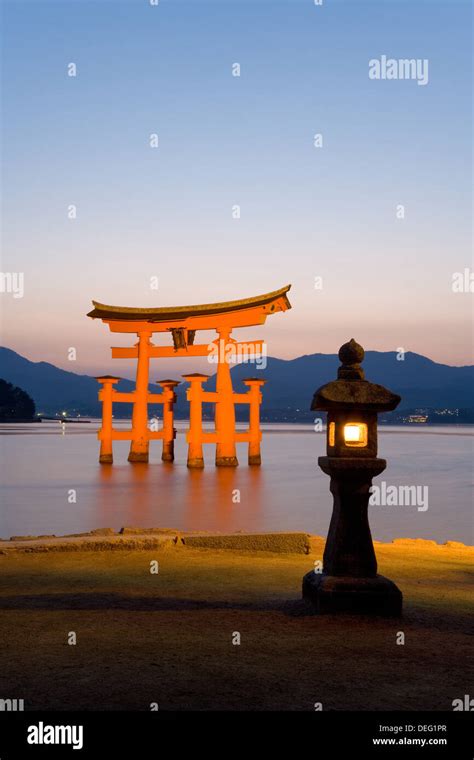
pixel 351 355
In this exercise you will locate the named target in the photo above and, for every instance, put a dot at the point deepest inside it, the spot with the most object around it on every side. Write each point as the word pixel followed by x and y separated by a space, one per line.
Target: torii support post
pixel 106 394
pixel 194 436
pixel 140 439
pixel 225 409
pixel 255 434
pixel 169 432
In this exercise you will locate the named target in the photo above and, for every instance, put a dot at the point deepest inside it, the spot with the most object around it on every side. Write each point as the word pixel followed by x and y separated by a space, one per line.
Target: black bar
pixel 447 735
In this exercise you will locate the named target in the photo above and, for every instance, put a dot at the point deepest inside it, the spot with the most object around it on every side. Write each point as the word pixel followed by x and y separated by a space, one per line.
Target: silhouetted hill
pixel 421 382
pixel 54 389
pixel 15 403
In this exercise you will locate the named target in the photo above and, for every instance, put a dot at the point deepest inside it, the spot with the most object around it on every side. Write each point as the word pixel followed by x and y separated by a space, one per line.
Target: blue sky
pixel 247 140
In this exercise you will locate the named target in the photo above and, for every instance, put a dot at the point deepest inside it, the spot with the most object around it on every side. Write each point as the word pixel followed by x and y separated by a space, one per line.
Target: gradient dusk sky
pixel 166 212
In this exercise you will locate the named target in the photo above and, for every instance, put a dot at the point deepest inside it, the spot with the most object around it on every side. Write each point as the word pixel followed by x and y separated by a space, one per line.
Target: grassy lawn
pixel 167 637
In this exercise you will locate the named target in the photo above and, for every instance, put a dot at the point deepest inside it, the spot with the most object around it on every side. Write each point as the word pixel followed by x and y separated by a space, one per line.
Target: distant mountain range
pixel 422 384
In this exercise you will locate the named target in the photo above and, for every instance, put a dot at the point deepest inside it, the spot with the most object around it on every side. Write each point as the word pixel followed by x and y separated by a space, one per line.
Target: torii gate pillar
pixel 169 432
pixel 225 408
pixel 140 439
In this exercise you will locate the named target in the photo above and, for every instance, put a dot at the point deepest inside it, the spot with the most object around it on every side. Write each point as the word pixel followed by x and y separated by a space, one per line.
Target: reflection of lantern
pixel 349 581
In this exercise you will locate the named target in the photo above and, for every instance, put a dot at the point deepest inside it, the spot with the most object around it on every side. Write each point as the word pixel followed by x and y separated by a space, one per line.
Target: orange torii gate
pixel 183 322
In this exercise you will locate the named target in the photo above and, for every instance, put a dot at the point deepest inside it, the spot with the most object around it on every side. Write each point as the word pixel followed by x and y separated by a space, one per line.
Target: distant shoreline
pixel 465 429
pixel 103 539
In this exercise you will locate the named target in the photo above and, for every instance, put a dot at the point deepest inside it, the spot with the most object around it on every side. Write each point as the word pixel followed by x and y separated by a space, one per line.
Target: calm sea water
pixel 41 463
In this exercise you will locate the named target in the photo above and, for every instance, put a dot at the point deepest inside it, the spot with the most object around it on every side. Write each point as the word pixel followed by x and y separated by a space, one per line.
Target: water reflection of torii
pixel 183 322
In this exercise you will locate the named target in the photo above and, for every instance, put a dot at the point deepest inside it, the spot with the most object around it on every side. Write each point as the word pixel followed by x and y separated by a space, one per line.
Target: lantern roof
pixel 351 390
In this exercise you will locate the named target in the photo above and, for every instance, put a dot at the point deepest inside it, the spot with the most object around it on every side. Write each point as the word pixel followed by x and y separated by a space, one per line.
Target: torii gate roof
pixel 250 311
pixel 167 313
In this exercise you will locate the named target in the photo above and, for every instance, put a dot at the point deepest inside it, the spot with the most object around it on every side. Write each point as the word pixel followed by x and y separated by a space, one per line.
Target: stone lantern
pixel 349 581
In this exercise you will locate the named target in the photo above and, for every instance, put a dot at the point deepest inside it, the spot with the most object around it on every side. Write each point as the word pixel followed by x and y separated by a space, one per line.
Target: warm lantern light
pixel 332 433
pixel 355 434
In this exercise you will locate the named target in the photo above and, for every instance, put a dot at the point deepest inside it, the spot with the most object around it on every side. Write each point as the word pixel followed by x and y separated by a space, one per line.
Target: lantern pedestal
pixel 330 594
pixel 350 582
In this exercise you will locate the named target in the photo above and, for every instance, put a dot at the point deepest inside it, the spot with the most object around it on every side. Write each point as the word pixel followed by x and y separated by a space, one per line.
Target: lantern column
pixel 140 440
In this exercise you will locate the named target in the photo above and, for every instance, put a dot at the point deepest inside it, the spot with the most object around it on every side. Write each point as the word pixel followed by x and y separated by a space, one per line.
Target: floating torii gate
pixel 183 322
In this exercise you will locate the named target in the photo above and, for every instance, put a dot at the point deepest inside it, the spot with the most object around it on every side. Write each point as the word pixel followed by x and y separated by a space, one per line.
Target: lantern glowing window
pixel 355 434
pixel 332 433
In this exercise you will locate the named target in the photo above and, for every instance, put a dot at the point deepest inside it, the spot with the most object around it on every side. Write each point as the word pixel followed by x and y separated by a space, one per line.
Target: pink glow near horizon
pixel 317 323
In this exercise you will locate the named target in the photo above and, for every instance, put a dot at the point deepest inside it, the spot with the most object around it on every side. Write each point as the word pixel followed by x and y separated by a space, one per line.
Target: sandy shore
pixel 168 637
